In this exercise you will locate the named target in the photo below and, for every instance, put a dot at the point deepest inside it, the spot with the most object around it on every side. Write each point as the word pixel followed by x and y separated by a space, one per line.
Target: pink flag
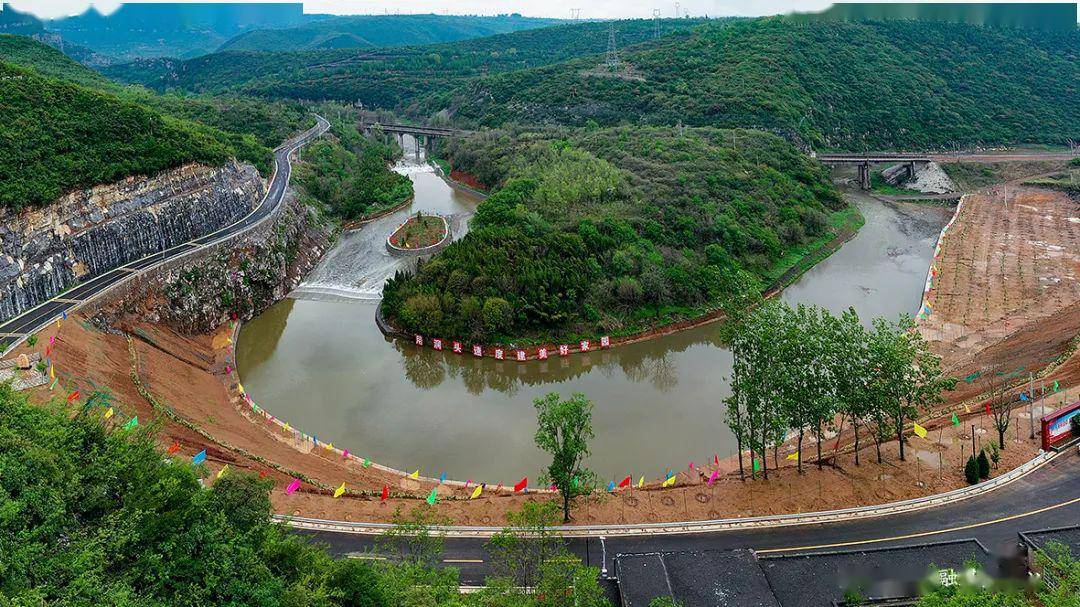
pixel 345 455
pixel 52 339
pixel 712 478
pixel 691 465
pixel 293 486
pixel 467 483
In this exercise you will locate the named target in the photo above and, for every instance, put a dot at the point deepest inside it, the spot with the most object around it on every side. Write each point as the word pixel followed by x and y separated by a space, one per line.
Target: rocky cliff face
pixel 43 252
pixel 235 279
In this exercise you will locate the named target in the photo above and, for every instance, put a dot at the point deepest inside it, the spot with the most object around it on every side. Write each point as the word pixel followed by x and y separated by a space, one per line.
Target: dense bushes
pixel 56 135
pixel 93 515
pixel 349 173
pixel 612 230
pixel 843 85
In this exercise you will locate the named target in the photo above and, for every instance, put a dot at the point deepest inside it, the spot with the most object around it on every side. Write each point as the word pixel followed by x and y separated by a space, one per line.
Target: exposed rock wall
pixel 238 278
pixel 45 251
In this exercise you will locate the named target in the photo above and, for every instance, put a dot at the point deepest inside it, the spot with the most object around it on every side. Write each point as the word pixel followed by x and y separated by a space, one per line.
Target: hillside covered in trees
pixel 855 86
pixel 63 126
pixel 826 84
pixel 371 31
pixel 393 78
pixel 614 230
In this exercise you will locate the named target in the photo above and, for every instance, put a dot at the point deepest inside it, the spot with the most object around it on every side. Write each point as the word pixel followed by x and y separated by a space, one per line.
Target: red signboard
pixel 478 350
pixel 436 343
pixel 419 340
pixel 1057 426
pixel 457 347
pixel 542 354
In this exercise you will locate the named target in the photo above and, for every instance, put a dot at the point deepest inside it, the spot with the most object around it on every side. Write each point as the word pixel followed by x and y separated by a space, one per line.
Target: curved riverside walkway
pixel 14 331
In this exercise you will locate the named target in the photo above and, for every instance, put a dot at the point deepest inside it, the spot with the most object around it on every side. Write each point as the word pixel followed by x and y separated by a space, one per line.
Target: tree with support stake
pixel 998 403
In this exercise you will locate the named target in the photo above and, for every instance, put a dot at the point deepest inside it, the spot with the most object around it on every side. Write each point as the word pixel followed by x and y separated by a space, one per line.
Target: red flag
pixel 173 448
pixel 521 484
pixel 262 474
pixel 716 459
pixel 73 396
pixel 385 492
pixel 987 407
pixel 625 482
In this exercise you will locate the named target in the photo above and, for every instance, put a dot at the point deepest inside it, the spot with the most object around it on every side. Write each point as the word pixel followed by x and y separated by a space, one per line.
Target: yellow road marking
pixel 923 533
pixel 463 560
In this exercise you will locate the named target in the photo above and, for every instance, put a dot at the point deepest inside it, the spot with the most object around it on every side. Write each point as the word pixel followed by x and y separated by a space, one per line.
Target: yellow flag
pixel 286 426
pixel 641 482
pixel 415 474
pixel 476 492
pixel 793 455
pixel 57 323
pixel 52 372
pixel 222 471
pixel 329 446
pixel 920 431
pixel 240 387
pixel 340 490
pixel 670 481
pixel 109 413
pixel 967 409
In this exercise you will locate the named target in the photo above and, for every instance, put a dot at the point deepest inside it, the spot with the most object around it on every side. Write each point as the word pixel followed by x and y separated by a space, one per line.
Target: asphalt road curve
pixel 1047 497
pixel 15 330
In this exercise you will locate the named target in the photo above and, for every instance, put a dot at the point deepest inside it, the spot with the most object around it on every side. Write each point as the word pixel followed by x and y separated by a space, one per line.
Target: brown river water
pixel 318 361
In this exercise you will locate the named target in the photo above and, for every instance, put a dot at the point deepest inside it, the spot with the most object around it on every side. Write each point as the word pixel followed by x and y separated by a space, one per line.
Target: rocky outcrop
pixel 234 279
pixel 45 251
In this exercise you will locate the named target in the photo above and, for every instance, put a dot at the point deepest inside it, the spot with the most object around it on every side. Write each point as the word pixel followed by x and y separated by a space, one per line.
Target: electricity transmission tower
pixel 656 22
pixel 612 61
pixel 575 13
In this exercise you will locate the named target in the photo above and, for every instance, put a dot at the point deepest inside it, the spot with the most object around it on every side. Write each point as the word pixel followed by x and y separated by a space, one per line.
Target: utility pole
pixel 612 61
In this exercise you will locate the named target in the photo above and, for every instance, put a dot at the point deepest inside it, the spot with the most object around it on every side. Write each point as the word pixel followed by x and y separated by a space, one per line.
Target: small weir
pixel 325 367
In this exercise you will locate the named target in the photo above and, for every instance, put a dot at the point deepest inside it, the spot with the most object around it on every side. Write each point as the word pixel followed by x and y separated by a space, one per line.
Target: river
pixel 318 361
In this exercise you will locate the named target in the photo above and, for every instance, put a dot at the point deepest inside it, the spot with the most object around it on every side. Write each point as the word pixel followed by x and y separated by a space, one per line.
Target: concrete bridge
pixel 864 161
pixel 421 134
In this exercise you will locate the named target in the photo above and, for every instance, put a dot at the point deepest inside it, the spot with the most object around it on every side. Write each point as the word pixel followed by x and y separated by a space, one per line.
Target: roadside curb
pixel 706 526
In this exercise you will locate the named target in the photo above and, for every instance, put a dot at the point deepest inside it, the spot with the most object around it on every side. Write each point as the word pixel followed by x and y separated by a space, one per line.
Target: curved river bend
pixel 318 361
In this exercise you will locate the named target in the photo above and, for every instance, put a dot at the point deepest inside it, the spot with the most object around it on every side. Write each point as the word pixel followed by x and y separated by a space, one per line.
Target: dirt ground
pixel 1007 293
pixel 185 401
pixel 1006 298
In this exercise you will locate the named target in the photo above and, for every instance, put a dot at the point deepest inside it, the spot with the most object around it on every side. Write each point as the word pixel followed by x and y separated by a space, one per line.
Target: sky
pixel 593 9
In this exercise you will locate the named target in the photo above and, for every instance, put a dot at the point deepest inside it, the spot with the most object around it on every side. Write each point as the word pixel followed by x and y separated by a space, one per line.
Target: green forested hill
pixel 56 135
pixel 842 85
pixel 615 229
pixel 369 31
pixel 392 78
pixel 830 85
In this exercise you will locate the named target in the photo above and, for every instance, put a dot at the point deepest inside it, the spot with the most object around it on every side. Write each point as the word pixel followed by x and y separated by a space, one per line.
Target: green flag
pixel 132 423
pixel 431 497
pixel 955 420
pixel 757 466
pixel 1055 386
pixel 367 462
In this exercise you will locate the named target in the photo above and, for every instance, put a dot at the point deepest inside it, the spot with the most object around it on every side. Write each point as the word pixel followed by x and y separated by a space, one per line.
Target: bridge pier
pixel 864 175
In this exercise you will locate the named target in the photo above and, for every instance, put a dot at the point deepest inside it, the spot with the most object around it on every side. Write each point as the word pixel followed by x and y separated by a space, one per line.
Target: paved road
pixel 15 330
pixel 1048 497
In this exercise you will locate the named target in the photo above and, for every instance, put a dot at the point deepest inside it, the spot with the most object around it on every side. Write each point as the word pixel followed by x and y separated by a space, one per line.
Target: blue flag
pixel 1023 397
pixel 442 477
pixel 611 486
pixel 199 457
pixel 315 439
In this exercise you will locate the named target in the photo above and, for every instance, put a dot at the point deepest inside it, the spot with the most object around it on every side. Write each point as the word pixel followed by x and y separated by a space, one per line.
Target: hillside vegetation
pixel 56 136
pixel 95 514
pixel 370 31
pixel 271 122
pixel 614 230
pixel 843 85
pixel 393 78
pixel 348 173
pixel 827 85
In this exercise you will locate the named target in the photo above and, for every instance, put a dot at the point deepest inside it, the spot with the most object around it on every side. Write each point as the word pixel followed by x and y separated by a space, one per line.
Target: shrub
pixel 496 314
pixel 984 465
pixel 971 471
